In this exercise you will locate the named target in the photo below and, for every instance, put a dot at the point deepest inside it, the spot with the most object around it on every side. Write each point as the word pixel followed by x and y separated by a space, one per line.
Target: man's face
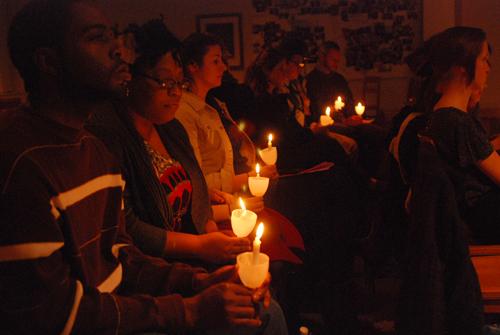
pixel 90 56
pixel 332 59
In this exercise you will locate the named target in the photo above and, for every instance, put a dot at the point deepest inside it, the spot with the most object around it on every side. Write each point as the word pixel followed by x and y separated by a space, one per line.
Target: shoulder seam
pixel 29 150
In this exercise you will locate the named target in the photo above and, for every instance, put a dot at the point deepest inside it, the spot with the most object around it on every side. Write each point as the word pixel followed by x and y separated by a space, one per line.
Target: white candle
pixel 256 244
pixel 269 140
pixel 360 109
pixel 326 120
pixel 269 155
pixel 242 220
pixel 339 104
pixel 258 185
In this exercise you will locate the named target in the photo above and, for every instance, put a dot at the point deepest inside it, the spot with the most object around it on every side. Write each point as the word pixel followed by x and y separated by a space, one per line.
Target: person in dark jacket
pixel 166 198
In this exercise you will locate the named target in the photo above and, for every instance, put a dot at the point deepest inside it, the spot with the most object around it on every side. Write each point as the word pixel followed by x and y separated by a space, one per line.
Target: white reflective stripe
pixel 394 146
pixel 24 251
pixel 74 310
pixel 70 197
pixel 111 283
pixel 55 212
pixel 115 249
pixel 115 278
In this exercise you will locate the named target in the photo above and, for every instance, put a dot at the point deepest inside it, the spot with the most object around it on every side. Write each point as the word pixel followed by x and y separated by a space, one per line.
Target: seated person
pixel 322 205
pixel 66 263
pixel 324 84
pixel 473 164
pixel 167 204
pixel 205 126
pixel 299 147
pixel 295 50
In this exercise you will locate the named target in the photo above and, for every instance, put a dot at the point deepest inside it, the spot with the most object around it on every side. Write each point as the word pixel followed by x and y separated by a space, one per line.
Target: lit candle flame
pixel 241 126
pixel 339 104
pixel 270 140
pixel 327 111
pixel 360 109
pixel 257 169
pixel 242 205
pixel 260 231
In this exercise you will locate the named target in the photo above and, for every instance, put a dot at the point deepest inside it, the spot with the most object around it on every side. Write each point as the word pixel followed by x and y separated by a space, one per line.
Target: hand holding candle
pixel 360 109
pixel 242 220
pixel 326 120
pixel 258 185
pixel 253 266
pixel 339 104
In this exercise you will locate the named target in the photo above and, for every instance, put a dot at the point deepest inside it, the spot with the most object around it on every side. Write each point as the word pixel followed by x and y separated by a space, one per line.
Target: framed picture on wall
pixel 228 28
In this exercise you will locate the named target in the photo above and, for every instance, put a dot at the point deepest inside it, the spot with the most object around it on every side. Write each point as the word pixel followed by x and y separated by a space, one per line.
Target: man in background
pixel 325 83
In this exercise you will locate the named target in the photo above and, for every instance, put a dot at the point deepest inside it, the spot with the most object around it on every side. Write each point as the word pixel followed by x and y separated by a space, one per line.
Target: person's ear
pixel 47 61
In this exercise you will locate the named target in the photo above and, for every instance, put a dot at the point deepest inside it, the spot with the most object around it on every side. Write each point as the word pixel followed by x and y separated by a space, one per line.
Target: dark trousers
pixel 483 219
pixel 327 208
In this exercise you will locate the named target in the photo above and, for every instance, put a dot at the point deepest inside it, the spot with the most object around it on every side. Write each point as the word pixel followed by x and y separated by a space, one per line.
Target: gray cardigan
pixel 147 212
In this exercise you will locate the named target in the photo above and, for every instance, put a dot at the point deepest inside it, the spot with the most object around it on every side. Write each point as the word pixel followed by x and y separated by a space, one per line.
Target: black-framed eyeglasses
pixel 167 84
pixel 299 63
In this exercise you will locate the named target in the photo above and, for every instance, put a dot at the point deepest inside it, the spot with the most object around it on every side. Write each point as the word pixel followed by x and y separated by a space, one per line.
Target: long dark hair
pixel 434 61
pixel 257 75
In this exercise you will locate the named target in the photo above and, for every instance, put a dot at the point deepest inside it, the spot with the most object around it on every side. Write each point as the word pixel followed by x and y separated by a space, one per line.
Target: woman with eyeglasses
pixel 167 206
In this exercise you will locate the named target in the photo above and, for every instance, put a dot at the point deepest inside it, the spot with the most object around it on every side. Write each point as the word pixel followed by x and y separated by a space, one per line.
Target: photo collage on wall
pixel 377 33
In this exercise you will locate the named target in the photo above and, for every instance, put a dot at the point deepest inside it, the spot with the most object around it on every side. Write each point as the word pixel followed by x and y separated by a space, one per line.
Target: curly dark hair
pixel 39 24
pixel 152 41
pixel 257 74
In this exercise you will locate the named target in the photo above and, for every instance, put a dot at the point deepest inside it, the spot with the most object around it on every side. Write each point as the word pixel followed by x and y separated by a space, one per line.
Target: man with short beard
pixel 66 264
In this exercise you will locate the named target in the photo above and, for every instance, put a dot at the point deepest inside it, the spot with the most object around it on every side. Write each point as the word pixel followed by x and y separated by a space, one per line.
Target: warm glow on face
pixel 242 204
pixel 257 168
pixel 260 231
pixel 327 111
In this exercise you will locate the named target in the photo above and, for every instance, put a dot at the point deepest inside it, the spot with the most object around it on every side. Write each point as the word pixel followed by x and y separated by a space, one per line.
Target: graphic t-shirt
pixel 177 185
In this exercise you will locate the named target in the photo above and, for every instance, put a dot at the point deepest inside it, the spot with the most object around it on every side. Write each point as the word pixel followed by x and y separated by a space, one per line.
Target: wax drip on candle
pixel 257 169
pixel 242 205
pixel 270 140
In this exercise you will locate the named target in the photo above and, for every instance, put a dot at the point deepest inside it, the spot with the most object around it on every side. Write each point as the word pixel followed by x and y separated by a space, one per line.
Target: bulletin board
pixel 375 35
